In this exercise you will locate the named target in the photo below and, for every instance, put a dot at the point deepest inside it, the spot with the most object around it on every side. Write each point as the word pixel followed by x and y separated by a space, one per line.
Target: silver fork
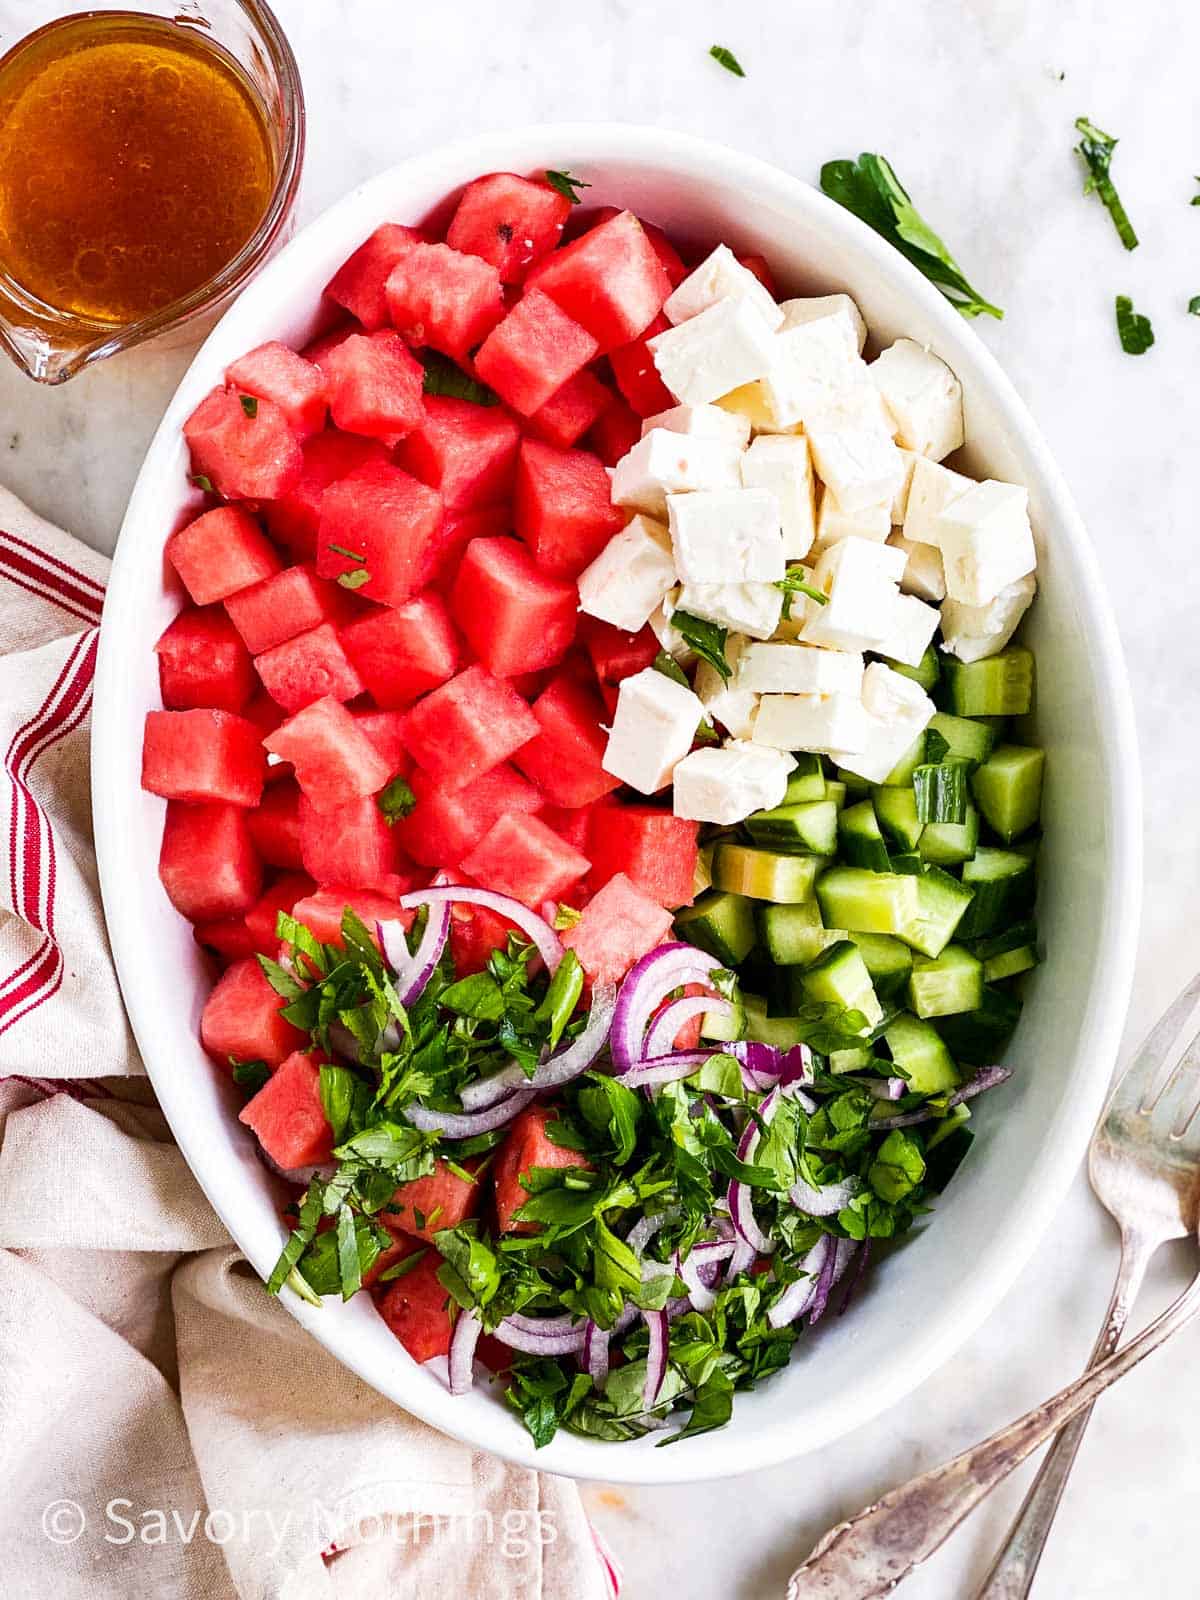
pixel 1144 1164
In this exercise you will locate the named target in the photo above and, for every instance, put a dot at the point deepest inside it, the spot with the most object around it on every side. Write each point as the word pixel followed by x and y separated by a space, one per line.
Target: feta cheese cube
pixel 923 575
pixel 855 459
pixel 628 579
pixel 860 578
pixel 986 541
pixel 751 608
pixel 729 344
pixel 721 276
pixel 930 490
pixel 900 498
pixel 923 395
pixel 669 637
pixel 664 463
pixel 653 728
pixel 810 363
pixel 702 422
pixel 813 307
pixel 783 668
pixel 834 522
pixel 781 463
pixel 895 710
pixel 726 536
pixel 726 785
pixel 749 402
pixel 972 632
pixel 913 627
pixel 725 703
pixel 820 723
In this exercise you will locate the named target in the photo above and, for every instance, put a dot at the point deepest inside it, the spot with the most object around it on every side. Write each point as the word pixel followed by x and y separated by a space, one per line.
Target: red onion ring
pixel 536 928
pixel 646 986
pixel 555 1070
pixel 414 971
pixel 838 1259
pixel 656 1357
pixel 660 1040
pixel 454 1125
pixel 741 1207
pixel 594 1355
pixel 519 1337
pixel 462 1351
pixel 797 1297
pixel 983 1078
pixel 665 1069
pixel 702 1295
pixel 824 1202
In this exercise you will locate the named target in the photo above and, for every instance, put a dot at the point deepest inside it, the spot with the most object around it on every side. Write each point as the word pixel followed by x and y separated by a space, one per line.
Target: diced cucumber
pixel 998 686
pixel 1014 937
pixel 792 935
pixel 855 786
pixel 941 904
pixel 723 1028
pixel 972 741
pixel 836 792
pixel 702 877
pixel 908 763
pixel 867 902
pixel 889 961
pixel 942 1129
pixel 839 977
pixel 908 861
pixel 850 1060
pixel 765 874
pixel 948 843
pixel 926 672
pixel 1008 788
pixel 860 839
pixel 780 1031
pixel 806 781
pixel 942 791
pixel 977 1037
pixel 1011 964
pixel 810 826
pixel 952 982
pixel 721 923
pixel 918 1049
pixel 897 812
pixel 1002 883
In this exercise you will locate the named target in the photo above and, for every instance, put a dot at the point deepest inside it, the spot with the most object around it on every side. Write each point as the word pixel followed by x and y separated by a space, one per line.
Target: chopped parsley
pixel 1095 150
pixel 202 481
pixel 1194 305
pixel 705 638
pixel 1195 200
pixel 727 59
pixel 567 185
pixel 1133 329
pixel 395 800
pixel 794 583
pixel 443 377
pixel 354 580
pixel 249 405
pixel 249 1075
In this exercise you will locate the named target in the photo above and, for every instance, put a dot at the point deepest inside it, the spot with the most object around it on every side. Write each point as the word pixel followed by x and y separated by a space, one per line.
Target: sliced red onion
pixel 861 1258
pixel 536 928
pixel 418 968
pixel 691 1268
pixel 595 1354
pixel 660 1040
pixel 299 1175
pixel 656 1357
pixel 644 1229
pixel 665 1069
pixel 454 1125
pixel 628 1316
pixel 540 1344
pixel 646 986
pixel 462 1351
pixel 342 1040
pixel 545 1327
pixel 741 1207
pixel 485 1092
pixel 983 1078
pixel 393 941
pixel 882 1088
pixel 826 1201
pixel 652 1420
pixel 820 1297
pixel 838 1260
pixel 743 1258
pixel 797 1297
pixel 555 1070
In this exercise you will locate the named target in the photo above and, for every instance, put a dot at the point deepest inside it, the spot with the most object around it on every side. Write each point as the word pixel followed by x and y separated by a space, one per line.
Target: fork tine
pixel 1143 1071
pixel 1177 1101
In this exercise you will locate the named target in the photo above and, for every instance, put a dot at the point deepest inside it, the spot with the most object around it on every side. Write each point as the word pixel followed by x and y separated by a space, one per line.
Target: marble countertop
pixel 974 101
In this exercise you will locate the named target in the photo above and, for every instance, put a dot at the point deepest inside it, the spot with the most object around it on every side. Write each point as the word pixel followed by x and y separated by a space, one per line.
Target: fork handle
pixel 869 1555
pixel 1013 1571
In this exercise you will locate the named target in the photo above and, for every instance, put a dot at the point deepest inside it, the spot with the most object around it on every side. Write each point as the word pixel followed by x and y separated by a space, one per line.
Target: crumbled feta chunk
pixel 860 578
pixel 628 579
pixel 854 458
pixel 900 498
pixel 669 637
pixel 986 541
pixel 923 575
pixel 821 723
pixel 972 632
pixel 930 490
pixel 813 307
pixel 895 710
pixel 751 608
pixel 725 785
pixel 721 276
pixel 913 627
pixel 726 536
pixel 834 522
pixel 781 463
pixel 653 728
pixel 664 463
pixel 704 358
pixel 725 703
pixel 702 422
pixel 783 668
pixel 811 363
pixel 923 395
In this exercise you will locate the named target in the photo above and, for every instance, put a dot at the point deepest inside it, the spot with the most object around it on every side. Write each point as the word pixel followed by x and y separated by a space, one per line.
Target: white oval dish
pixel 920 1303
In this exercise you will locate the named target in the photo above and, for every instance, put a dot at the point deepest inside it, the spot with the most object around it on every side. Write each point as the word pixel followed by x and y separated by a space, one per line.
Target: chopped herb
pixel 794 583
pixel 398 1269
pixel 350 555
pixel 249 405
pixel 1095 150
pixel 666 663
pixel 353 580
pixel 727 59
pixel 566 917
pixel 442 377
pixel 202 481
pixel 1133 329
pixel 249 1075
pixel 567 185
pixel 1195 200
pixel 395 800
pixel 871 190
pixel 1194 305
pixel 705 638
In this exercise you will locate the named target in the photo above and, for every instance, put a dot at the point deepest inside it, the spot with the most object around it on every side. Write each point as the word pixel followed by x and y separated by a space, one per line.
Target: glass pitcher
pixel 52 345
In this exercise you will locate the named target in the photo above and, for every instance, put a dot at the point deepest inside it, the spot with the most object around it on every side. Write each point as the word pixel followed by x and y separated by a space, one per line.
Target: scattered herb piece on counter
pixel 1195 200
pixel 705 638
pixel 567 185
pixel 1133 328
pixel 728 60
pixel 443 377
pixel 249 405
pixel 871 190
pixel 1095 150
pixel 1194 305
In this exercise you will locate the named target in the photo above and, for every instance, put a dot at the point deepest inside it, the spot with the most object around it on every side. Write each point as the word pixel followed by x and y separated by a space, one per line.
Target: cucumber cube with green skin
pixel 839 977
pixel 926 672
pixel 836 792
pixel 1010 965
pixel 908 763
pixel 723 1027
pixel 998 686
pixel 1002 886
pixel 1008 788
pixel 947 844
pixel 860 839
pixel 850 1060
pixel 806 781
pixel 783 1032
pixel 889 961
pixel 789 933
pixel 942 1130
pixel 721 923
pixel 972 741
pixel 867 902
pixel 702 877
pixel 765 874
pixel 950 983
pixel 941 904
pixel 810 827
pixel 896 809
pixel 978 1037
pixel 918 1050
pixel 854 786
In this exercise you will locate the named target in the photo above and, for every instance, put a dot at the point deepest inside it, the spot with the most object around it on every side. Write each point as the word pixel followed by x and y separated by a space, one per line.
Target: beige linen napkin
pixel 166 1429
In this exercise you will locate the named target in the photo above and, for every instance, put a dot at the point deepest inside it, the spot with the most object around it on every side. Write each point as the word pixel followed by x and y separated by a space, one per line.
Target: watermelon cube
pixel 533 352
pixel 527 1145
pixel 565 758
pixel 570 823
pixel 202 662
pixel 467 727
pixel 207 863
pixel 221 552
pixel 619 925
pixel 227 937
pixel 673 263
pixel 298 388
pixel 351 845
pixel 761 269
pixel 281 895
pixel 386 732
pixel 563 509
pixel 615 432
pixel 388 522
pixel 203 755
pixel 459 528
pixel 467 452
pixel 275 825
pixel 438 296
pixel 309 667
pixel 439 1200
pixel 417 1310
pixel 475 934
pixel 292 602
pixel 511 222
pixel 241 1018
pixel 637 376
pixel 334 759
pixel 655 850
pixel 247 451
pixel 570 411
pixel 321 913
pixel 444 825
pixel 521 856
pixel 516 617
pixel 610 279
pixel 616 654
pixel 404 652
pixel 287 1114
pixel 376 385
pixel 358 283
pixel 400 1247
pixel 294 518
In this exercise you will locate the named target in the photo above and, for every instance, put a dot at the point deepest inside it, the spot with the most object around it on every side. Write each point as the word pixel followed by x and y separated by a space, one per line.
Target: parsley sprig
pixel 1095 150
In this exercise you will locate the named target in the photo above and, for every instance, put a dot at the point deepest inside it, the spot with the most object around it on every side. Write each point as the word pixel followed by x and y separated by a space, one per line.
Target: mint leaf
pixel 1095 150
pixel 1133 329
pixel 705 638
pixel 727 59
pixel 249 405
pixel 442 377
pixel 250 1075
pixel 566 185
pixel 395 800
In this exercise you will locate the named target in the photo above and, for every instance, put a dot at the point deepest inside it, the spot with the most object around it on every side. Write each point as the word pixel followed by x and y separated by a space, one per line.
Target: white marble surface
pixel 974 102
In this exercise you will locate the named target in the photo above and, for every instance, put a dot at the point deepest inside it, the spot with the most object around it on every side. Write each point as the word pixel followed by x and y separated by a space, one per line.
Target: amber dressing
pixel 135 162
